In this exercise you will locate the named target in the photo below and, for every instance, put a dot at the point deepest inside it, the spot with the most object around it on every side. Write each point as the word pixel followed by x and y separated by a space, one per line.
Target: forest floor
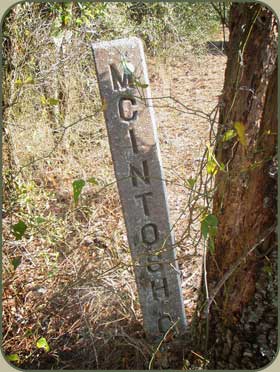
pixel 195 82
pixel 74 284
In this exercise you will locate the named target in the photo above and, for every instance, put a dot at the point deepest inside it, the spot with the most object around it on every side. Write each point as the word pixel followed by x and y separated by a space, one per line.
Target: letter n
pixel 136 173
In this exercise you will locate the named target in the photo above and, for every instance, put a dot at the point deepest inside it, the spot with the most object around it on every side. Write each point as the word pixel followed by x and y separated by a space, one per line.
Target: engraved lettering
pixel 154 265
pixel 127 109
pixel 149 233
pixel 144 197
pixel 160 289
pixel 164 323
pixel 144 176
pixel 133 141
pixel 120 82
pixel 132 136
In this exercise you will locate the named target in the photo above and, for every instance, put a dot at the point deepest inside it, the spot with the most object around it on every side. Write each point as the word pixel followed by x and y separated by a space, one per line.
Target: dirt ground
pixel 197 82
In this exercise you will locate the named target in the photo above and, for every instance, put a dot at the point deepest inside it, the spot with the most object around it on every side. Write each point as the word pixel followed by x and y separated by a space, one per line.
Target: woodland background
pixel 69 295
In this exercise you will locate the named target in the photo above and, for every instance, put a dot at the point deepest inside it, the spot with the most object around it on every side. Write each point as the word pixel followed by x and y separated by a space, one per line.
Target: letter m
pixel 119 81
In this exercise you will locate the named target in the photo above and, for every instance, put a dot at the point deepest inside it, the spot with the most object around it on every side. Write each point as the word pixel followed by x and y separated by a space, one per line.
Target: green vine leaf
pixel 209 225
pixel 19 229
pixel 53 101
pixel 212 165
pixel 29 80
pixel 140 85
pixel 13 358
pixel 40 220
pixel 43 344
pixel 16 262
pixel 128 67
pixel 191 182
pixel 240 129
pixel 204 229
pixel 18 82
pixel 211 245
pixel 92 180
pixel 229 134
pixel 49 101
pixel 77 185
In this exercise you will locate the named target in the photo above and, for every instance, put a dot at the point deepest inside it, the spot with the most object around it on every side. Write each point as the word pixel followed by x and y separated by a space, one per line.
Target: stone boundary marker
pixel 124 88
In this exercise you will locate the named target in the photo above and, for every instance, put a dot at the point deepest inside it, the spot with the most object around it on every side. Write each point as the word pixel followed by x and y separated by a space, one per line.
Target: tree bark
pixel 245 197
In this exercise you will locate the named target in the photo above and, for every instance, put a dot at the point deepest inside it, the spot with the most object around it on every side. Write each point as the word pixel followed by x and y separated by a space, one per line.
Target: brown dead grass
pixel 75 283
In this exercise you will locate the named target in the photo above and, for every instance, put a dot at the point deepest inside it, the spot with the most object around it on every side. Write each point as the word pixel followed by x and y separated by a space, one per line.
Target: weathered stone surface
pixel 130 120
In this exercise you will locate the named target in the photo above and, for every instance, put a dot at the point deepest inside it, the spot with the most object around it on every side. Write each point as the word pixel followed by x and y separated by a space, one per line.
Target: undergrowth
pixel 69 294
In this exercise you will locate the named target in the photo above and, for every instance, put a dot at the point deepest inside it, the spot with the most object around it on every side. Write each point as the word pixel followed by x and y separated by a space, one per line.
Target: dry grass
pixel 75 283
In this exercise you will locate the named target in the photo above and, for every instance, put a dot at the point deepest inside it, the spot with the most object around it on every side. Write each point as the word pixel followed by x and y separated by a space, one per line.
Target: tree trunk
pixel 243 265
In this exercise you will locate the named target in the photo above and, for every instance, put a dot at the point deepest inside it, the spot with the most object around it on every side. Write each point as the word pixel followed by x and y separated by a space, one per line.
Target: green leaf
pixel 211 245
pixel 211 220
pixel 29 80
pixel 16 262
pixel 79 21
pixel 140 85
pixel 211 165
pixel 92 180
pixel 222 167
pixel 77 189
pixel 40 220
pixel 43 100
pixel 67 19
pixel 19 229
pixel 43 344
pixel 240 129
pixel 191 182
pixel 13 358
pixel 267 269
pixel 28 333
pixel 18 82
pixel 204 229
pixel 229 134
pixel 128 67
pixel 212 230
pixel 53 101
pixel 209 226
pixel 49 101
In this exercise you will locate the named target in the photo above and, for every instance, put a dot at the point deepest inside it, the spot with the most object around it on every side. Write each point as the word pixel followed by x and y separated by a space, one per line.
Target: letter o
pixel 149 233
